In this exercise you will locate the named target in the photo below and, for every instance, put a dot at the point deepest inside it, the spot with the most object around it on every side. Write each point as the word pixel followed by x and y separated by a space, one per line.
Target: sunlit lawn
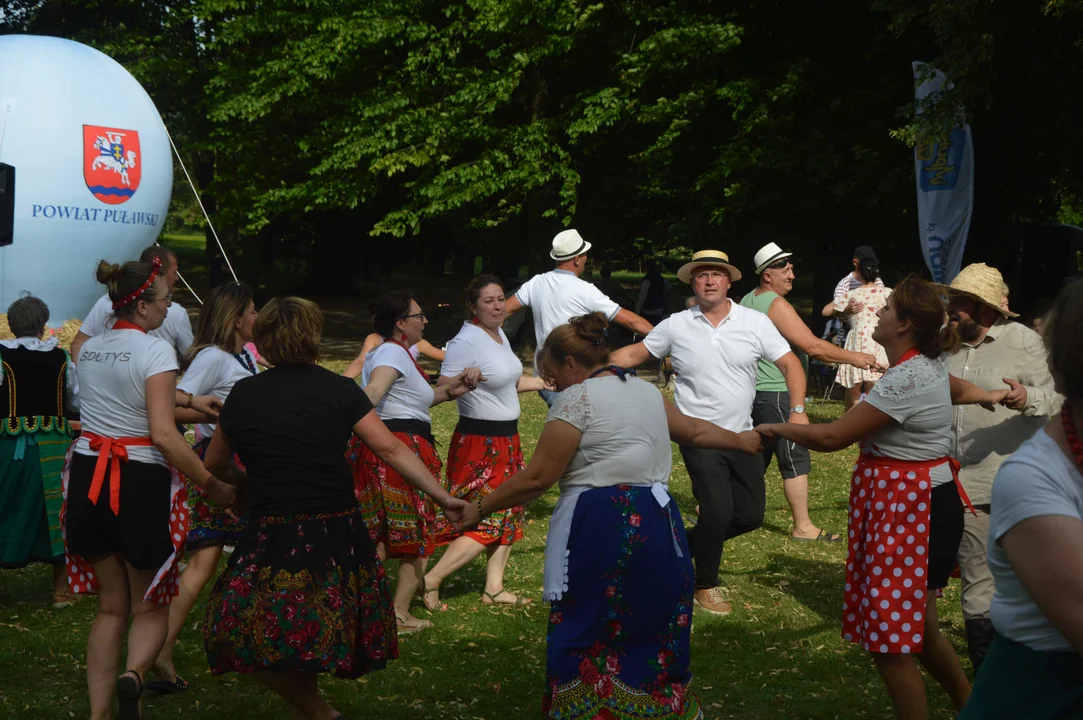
pixel 779 655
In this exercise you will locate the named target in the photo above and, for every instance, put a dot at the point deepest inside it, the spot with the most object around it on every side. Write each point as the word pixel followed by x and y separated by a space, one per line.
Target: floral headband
pixel 155 267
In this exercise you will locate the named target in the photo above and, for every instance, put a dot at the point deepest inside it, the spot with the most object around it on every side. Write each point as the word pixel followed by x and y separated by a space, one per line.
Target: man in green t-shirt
pixel 773 404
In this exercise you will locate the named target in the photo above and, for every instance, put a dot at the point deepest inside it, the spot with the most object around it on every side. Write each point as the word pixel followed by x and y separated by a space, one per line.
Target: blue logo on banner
pixel 941 161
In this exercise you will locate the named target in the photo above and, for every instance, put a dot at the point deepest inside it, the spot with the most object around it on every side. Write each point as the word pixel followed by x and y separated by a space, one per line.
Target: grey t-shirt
pixel 917 396
pixel 1039 479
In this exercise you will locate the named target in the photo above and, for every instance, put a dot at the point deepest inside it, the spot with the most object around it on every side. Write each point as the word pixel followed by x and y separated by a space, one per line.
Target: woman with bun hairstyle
pixel 485 448
pixel 906 504
pixel 862 305
pixel 618 570
pixel 399 519
pixel 124 519
pixel 218 358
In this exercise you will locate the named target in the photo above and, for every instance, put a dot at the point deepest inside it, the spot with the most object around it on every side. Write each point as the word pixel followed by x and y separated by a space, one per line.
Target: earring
pixel 404 337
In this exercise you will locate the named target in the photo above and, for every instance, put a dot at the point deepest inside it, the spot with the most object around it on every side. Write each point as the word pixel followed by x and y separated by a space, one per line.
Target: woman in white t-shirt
pixel 399 518
pixel 485 448
pixel 124 518
pixel 1034 668
pixel 618 569
pixel 905 500
pixel 422 348
pixel 217 359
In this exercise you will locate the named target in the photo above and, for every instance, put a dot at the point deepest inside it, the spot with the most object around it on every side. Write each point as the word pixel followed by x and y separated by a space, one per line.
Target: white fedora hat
pixel 708 257
pixel 769 254
pixel 568 244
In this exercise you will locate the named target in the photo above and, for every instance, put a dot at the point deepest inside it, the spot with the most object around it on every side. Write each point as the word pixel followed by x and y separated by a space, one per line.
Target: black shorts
pixel 141 532
pixel 945 533
pixel 774 407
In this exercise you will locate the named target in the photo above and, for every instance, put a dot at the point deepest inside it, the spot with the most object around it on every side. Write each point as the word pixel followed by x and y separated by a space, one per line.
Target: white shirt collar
pixel 32 343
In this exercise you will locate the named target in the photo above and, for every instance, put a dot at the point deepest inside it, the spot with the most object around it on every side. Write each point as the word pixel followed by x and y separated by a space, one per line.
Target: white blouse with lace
pixel 916 394
pixel 625 442
pixel 625 433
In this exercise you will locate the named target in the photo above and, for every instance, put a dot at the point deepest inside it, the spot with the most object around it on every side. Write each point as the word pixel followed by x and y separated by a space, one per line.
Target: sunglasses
pixel 780 265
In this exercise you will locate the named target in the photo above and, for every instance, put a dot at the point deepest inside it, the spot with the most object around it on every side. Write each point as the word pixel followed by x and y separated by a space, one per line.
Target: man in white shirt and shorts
pixel 561 294
pixel 177 327
pixel 715 347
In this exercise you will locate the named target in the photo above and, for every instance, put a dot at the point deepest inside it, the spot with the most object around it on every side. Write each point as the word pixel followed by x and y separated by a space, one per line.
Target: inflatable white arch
pixel 93 170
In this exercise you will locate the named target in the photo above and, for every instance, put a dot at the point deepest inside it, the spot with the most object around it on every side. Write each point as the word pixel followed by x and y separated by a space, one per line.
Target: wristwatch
pixel 800 409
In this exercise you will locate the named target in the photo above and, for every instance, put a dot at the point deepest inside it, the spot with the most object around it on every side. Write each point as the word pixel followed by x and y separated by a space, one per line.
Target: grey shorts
pixel 774 407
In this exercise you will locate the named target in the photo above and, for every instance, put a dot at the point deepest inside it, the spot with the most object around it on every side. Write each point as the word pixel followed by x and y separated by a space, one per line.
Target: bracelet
pixel 189 405
pixel 480 513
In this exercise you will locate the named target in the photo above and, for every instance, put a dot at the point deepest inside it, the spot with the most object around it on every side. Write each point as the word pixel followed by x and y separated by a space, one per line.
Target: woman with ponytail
pixel 124 516
pixel 862 305
pixel 618 570
pixel 906 503
pixel 400 520
pixel 215 362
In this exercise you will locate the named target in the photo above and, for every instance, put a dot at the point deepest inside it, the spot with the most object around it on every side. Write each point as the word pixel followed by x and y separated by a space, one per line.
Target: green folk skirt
pixel 31 493
pixel 1019 683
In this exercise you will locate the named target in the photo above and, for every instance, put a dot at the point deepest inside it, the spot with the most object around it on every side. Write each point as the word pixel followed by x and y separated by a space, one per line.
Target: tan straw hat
pixel 982 283
pixel 708 257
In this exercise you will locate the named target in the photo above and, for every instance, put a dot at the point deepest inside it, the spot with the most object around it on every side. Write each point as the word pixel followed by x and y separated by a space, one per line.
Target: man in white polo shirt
pixel 177 327
pixel 715 347
pixel 561 294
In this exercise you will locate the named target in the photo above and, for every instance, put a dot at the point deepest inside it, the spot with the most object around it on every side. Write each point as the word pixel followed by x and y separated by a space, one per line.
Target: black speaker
pixel 7 203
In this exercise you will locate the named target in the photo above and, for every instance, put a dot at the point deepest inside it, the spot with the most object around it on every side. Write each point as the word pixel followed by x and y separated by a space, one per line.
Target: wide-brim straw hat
pixel 982 283
pixel 708 257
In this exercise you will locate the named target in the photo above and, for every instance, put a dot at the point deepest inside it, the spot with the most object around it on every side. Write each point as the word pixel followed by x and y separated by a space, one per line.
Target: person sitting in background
pixel 1033 668
pixel 651 301
pixel 618 567
pixel 34 438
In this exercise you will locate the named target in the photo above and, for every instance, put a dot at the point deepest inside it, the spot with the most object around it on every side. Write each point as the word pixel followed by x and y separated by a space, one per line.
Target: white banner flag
pixel 944 167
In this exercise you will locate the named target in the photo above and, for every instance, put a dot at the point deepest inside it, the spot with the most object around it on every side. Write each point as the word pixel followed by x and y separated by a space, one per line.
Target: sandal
pixel 824 536
pixel 129 690
pixel 404 626
pixel 423 593
pixel 164 687
pixel 492 598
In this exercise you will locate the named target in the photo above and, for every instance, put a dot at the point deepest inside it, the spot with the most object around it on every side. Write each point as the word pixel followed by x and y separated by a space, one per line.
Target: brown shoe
pixel 710 599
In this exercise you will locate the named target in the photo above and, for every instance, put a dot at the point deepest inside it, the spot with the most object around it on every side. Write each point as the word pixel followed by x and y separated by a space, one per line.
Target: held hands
pixel 750 442
pixel 221 494
pixel 471 516
pixel 765 431
pixel 1015 398
pixel 466 381
pixel 993 398
pixel 209 405
pixel 855 307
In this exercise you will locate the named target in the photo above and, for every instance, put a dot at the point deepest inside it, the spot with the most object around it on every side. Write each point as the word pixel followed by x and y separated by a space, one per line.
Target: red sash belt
pixel 111 451
pixel 927 466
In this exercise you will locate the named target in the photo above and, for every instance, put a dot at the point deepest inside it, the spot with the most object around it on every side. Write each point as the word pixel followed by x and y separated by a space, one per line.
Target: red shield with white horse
pixel 112 163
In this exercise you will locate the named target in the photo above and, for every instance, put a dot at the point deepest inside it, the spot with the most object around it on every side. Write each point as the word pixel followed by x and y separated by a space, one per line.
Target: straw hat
pixel 567 245
pixel 982 283
pixel 769 254
pixel 708 257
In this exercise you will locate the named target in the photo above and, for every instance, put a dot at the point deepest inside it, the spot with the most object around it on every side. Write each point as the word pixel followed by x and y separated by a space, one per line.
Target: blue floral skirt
pixel 618 642
pixel 304 593
pixel 210 525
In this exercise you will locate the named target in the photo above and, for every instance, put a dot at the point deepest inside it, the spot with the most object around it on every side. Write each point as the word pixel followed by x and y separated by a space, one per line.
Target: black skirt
pixel 302 593
pixel 945 533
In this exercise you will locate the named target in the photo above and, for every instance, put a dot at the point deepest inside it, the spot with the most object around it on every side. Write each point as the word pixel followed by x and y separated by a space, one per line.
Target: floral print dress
pixel 874 298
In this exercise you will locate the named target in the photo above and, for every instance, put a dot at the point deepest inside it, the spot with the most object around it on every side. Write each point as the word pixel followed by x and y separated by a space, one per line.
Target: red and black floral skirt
pixel 477 464
pixel 302 593
pixel 395 512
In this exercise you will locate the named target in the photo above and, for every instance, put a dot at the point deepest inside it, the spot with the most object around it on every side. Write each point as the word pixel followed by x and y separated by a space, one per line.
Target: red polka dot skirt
pixel 883 607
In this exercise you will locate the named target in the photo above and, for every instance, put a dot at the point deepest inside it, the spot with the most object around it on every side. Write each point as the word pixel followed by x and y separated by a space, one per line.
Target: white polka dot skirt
pixel 883 608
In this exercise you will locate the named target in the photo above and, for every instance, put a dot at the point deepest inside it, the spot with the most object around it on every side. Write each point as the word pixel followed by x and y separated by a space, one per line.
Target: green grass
pixel 779 655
